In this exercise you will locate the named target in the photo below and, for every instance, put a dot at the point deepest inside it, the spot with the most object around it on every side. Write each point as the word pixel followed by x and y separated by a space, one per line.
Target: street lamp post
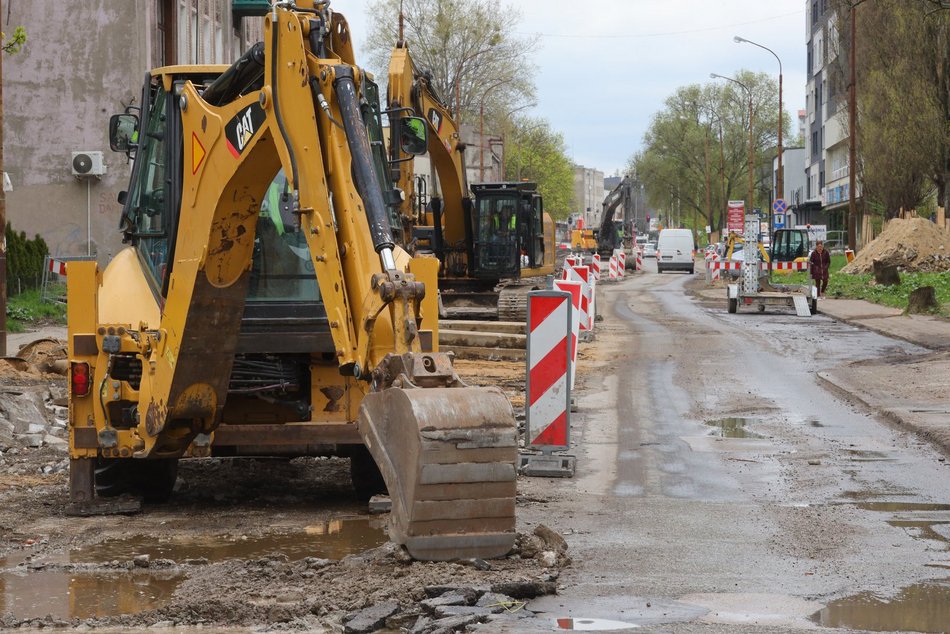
pixel 481 129
pixel 780 176
pixel 751 145
pixel 504 147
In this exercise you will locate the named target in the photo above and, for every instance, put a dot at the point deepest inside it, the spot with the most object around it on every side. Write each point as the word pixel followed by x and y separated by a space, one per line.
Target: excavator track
pixel 447 455
pixel 513 299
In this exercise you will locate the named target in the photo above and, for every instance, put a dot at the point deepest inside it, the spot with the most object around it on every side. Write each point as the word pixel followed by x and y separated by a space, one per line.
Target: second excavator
pixel 494 246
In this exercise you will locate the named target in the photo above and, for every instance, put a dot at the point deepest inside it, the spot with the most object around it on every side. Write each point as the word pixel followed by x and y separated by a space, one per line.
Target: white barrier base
pixel 542 465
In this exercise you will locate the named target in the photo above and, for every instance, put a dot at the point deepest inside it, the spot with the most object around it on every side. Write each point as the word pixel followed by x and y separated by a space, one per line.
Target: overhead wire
pixel 663 34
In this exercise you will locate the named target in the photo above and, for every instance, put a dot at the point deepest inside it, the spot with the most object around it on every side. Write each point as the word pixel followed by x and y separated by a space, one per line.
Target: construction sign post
pixel 735 216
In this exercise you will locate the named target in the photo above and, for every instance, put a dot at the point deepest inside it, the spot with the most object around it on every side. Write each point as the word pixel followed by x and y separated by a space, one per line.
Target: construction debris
pixel 914 245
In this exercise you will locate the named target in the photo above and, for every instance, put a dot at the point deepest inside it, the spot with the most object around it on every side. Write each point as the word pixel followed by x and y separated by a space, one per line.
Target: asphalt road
pixel 720 487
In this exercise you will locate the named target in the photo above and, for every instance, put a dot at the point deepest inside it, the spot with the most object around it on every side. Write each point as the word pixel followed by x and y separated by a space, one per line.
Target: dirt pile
pixel 913 244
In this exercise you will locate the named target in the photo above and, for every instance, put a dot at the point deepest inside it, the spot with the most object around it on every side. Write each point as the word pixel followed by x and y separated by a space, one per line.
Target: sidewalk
pixel 912 393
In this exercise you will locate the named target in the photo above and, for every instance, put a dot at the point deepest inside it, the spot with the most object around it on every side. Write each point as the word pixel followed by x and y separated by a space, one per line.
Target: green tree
pixel 16 41
pixel 702 136
pixel 903 99
pixel 535 152
pixel 470 47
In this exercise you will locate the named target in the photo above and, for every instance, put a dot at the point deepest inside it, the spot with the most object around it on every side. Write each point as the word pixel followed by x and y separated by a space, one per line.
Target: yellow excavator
pixel 264 307
pixel 495 246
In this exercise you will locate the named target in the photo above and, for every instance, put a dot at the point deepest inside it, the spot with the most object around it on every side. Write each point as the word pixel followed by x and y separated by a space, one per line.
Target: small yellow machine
pixel 264 307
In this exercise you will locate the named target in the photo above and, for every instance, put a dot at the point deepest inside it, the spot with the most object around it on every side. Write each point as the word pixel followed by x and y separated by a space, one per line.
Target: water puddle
pixel 592 625
pixel 922 529
pixel 732 428
pixel 923 607
pixel 862 455
pixel 34 592
pixel 897 507
pixel 334 539
pixel 66 595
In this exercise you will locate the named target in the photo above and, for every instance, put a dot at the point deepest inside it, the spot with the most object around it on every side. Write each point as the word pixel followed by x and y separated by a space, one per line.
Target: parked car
pixel 649 250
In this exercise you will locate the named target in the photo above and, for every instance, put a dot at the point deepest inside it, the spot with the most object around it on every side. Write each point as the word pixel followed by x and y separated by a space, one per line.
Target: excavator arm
pixel 411 93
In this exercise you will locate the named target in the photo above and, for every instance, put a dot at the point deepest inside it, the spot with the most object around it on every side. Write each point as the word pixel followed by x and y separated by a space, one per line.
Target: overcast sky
pixel 606 66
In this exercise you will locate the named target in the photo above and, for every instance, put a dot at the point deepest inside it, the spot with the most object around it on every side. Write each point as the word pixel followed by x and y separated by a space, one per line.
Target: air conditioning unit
pixel 88 163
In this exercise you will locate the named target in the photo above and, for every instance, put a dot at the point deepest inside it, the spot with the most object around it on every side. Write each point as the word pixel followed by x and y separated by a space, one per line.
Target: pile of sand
pixel 913 244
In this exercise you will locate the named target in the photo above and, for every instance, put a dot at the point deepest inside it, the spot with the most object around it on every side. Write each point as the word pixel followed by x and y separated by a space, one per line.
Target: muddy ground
pixel 245 543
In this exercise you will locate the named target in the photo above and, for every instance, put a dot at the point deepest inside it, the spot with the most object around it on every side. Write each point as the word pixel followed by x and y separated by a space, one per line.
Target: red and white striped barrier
pixel 612 273
pixel 548 386
pixel 715 266
pixel 57 266
pixel 787 266
pixel 576 289
pixel 595 266
pixel 639 256
pixel 714 274
pixel 582 274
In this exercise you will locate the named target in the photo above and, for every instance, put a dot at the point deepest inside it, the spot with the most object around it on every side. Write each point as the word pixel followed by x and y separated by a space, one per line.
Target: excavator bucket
pixel 447 455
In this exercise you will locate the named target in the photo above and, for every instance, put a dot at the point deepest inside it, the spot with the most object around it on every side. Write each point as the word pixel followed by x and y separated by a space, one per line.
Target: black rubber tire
pixel 814 307
pixel 692 270
pixel 111 477
pixel 761 308
pixel 733 304
pixel 367 480
pixel 153 480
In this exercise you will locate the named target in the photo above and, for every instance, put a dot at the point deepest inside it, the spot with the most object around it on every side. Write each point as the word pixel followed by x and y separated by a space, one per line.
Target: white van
pixel 675 251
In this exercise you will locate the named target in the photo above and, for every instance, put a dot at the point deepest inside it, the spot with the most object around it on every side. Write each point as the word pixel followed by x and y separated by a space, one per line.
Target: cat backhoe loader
pixel 263 306
pixel 494 247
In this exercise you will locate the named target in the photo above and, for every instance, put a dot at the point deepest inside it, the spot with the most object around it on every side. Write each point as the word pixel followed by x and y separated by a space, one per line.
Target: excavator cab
pixel 508 222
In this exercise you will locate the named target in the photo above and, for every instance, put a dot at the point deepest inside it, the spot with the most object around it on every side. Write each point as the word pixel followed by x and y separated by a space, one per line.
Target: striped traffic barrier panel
pixel 621 262
pixel 595 266
pixel 581 274
pixel 547 389
pixel 715 274
pixel 786 266
pixel 584 274
pixel 57 266
pixel 639 256
pixel 612 269
pixel 576 289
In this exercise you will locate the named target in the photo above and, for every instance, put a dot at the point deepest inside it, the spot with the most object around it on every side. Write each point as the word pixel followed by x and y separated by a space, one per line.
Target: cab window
pixel 147 205
pixel 282 269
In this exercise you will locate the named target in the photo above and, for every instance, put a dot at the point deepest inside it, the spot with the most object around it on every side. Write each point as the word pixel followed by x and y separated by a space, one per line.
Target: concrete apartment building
pixel 824 199
pixel 84 61
pixel 588 194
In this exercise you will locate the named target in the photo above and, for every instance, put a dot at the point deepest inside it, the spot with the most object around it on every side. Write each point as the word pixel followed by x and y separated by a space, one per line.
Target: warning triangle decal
pixel 197 153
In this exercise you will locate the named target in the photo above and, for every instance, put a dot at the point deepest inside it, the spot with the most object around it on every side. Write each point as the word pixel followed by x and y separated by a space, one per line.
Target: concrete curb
pixel 896 417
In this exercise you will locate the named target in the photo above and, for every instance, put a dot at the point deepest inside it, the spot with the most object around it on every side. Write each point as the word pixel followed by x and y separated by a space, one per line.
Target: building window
pixel 814 143
pixel 814 12
pixel 810 58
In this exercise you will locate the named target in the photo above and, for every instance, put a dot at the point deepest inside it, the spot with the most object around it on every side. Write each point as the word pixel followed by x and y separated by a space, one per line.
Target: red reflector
pixel 79 378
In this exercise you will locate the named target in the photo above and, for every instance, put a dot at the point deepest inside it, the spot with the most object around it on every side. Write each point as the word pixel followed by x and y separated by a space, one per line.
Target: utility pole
pixel 852 132
pixel 3 223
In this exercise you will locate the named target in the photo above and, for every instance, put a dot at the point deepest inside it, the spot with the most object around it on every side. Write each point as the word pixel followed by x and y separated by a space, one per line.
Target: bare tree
pixel 470 47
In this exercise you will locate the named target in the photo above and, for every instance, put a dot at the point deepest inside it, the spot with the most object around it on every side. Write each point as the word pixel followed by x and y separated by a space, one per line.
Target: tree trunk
pixel 922 300
pixel 885 274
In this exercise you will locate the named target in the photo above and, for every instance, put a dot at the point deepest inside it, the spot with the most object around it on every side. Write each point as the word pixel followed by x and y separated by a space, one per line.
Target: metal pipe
pixel 367 183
